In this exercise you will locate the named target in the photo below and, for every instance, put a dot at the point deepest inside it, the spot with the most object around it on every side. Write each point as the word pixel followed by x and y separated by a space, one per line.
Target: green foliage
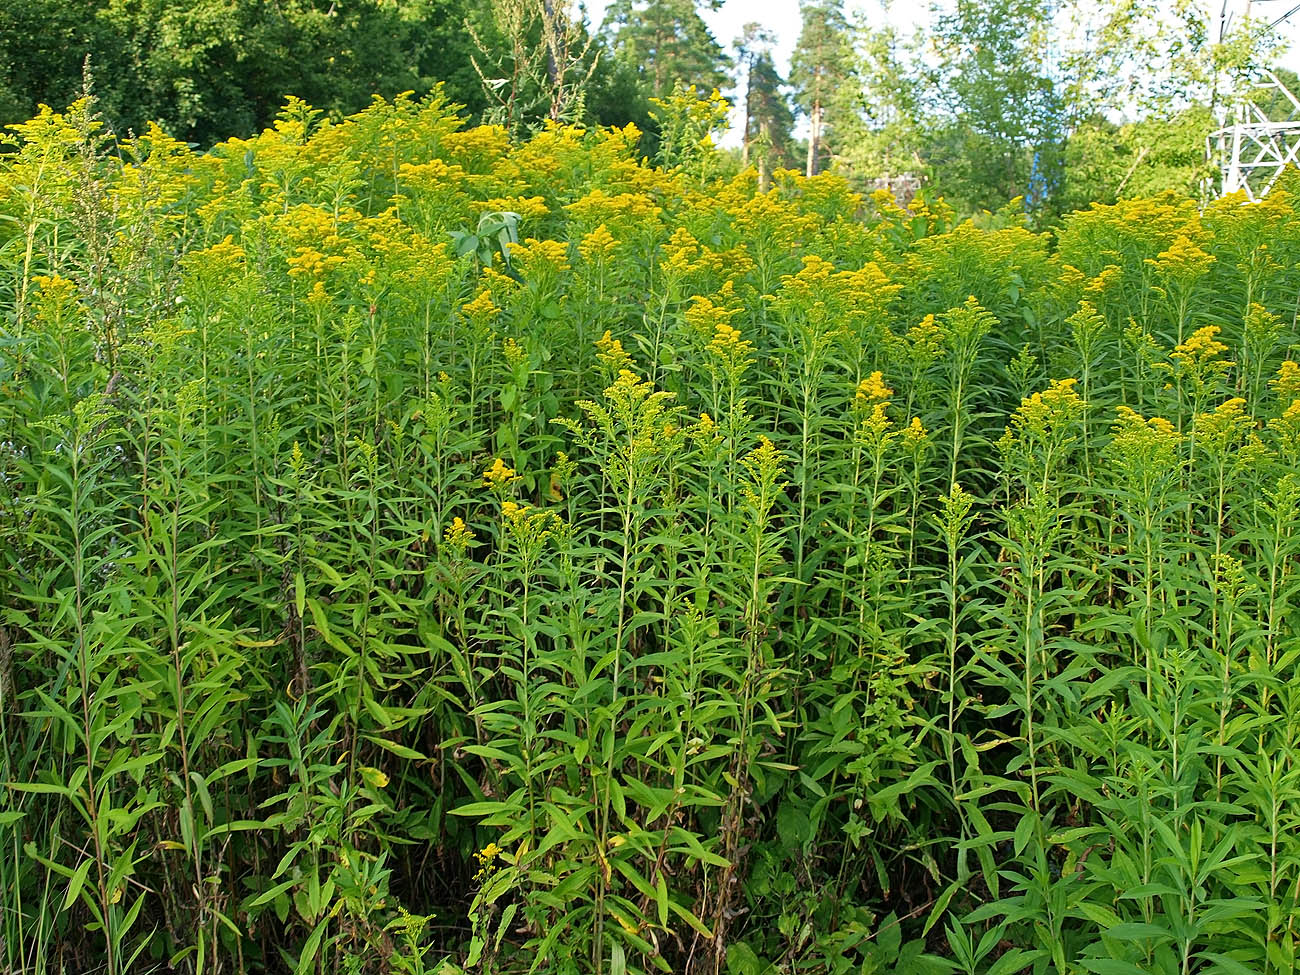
pixel 208 69
pixel 423 550
pixel 665 43
pixel 821 71
pixel 1104 161
pixel 1061 105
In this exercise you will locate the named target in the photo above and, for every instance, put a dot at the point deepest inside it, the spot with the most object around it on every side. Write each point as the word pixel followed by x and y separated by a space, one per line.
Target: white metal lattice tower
pixel 1259 133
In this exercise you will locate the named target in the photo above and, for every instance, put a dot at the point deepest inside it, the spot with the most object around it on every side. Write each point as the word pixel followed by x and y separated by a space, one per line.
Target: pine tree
pixel 821 70
pixel 770 117
pixel 666 41
pixel 753 40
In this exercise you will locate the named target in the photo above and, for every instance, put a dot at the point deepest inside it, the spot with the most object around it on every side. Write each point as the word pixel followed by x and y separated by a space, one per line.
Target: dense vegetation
pixel 426 551
pixel 1063 104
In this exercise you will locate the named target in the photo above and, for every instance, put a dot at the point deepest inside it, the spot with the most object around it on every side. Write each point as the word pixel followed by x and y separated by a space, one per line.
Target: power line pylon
pixel 1263 137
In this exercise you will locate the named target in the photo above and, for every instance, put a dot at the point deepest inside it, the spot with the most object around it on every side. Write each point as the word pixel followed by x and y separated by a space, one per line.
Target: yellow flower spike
pixel 514 353
pixel 725 339
pixel 1050 409
pixel 597 245
pixel 1287 429
pixel 706 317
pixel 599 207
pixel 873 389
pixel 482 308
pixel 1144 447
pixel 1287 382
pixel 499 475
pixel 610 351
pixel 915 436
pixel 528 207
pixel 1224 426
pixel 1109 278
pixel 1183 261
pixel 1201 346
pixel 458 536
pixel 540 257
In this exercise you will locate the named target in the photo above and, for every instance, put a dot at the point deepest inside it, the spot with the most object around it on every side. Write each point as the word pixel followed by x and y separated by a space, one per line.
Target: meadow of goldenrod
pixel 425 552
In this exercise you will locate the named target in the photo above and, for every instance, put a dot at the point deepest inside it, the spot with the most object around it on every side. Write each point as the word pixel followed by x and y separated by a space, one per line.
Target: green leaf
pixel 75 884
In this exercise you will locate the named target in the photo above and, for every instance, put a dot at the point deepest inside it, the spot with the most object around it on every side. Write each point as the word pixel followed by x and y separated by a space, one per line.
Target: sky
pixel 781 17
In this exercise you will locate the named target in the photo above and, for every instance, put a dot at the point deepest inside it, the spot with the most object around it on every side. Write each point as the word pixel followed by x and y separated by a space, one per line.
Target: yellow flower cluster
pixel 458 536
pixel 916 439
pixel 533 256
pixel 486 858
pixel 222 257
pixel 482 308
pixel 1223 427
pixel 1199 358
pixel 528 207
pixel 1287 381
pixel 597 245
pixel 1183 261
pixel 499 475
pixel 705 315
pixel 309 262
pixel 514 353
pixel 1144 448
pixel 1050 409
pixel 599 207
pixel 873 388
pixel 609 350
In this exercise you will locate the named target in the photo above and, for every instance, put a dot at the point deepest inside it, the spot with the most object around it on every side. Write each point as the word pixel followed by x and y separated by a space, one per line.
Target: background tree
pixel 209 69
pixel 770 118
pixel 821 70
pixel 45 43
pixel 999 116
pixel 534 61
pixel 753 41
pixel 887 144
pixel 665 42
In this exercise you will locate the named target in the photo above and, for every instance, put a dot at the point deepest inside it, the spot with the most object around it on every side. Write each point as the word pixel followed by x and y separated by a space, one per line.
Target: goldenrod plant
pixel 429 549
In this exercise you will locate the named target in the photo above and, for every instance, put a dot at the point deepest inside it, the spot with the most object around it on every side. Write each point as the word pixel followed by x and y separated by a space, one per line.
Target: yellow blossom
pixel 311 262
pixel 873 388
pixel 1287 428
pixel 609 350
pixel 482 308
pixel 597 245
pixel 916 439
pixel 1287 382
pixel 1046 411
pixel 499 475
pixel 1106 280
pixel 458 535
pixel 704 315
pixel 1201 346
pixel 535 257
pixel 514 353
pixel 1183 261
pixel 1224 426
